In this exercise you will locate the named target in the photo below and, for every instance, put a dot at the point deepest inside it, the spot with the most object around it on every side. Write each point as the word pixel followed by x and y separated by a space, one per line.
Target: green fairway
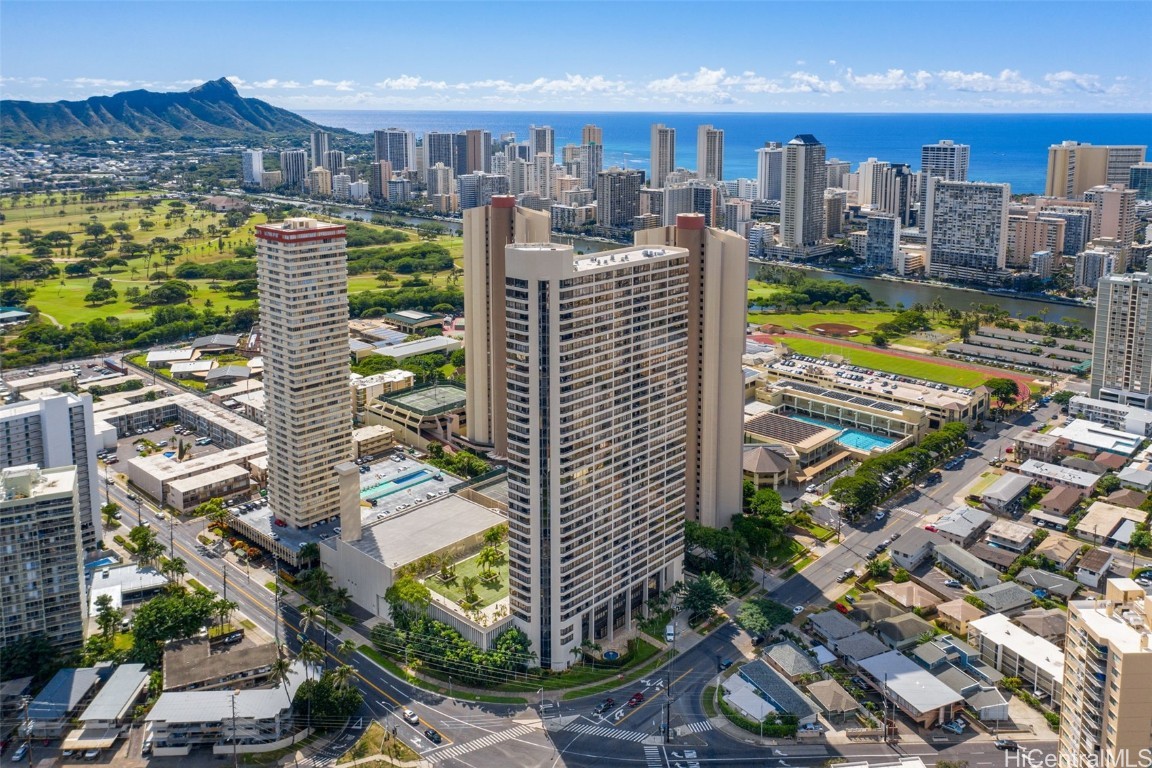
pixel 759 292
pixel 878 360
pixel 866 321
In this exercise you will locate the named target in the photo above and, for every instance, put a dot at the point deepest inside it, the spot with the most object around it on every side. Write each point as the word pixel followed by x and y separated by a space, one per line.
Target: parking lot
pixel 164 437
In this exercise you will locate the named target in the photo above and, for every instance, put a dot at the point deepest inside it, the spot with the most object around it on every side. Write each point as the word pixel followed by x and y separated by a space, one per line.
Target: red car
pixel 931 528
pixel 636 700
pixel 280 523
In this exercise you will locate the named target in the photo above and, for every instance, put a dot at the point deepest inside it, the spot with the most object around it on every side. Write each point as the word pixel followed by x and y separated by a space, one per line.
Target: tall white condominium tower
pixel 542 141
pixel 663 154
pixel 320 144
pixel 397 147
pixel 967 226
pixel 303 277
pixel 1074 168
pixel 709 153
pixel 770 170
pixel 253 166
pixel 717 285
pixel 488 230
pixel 1122 342
pixel 57 431
pixel 946 160
pixel 597 396
pixel 294 167
pixel 1106 708
pixel 42 592
pixel 804 180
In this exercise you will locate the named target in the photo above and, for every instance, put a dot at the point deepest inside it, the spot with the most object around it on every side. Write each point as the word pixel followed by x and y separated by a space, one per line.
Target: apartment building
pixel 488 230
pixel 303 283
pixel 663 154
pixel 1074 167
pixel 967 225
pixel 1129 418
pixel 1106 710
pixel 1122 345
pixel 57 431
pixel 1016 652
pixel 42 592
pixel 597 404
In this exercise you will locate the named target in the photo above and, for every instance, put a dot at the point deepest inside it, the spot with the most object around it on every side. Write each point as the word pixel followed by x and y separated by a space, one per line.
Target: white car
pixel 410 717
pixel 797 609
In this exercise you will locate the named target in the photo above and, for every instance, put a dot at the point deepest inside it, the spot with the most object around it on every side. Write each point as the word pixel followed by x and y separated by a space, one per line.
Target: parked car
pixel 725 664
pixel 953 583
pixel 19 754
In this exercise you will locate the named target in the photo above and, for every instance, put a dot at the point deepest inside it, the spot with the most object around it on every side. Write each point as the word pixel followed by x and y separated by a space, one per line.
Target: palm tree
pixel 339 598
pixel 309 553
pixel 469 584
pixel 310 616
pixel 175 569
pixel 224 610
pixel 310 655
pixel 281 670
pixel 343 675
pixel 346 648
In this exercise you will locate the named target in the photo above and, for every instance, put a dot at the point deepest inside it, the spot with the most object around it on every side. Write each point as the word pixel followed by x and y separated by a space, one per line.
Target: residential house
pixel 984 699
pixel 779 691
pixel 1136 478
pixel 903 631
pixel 1126 497
pixel 1059 502
pixel 1108 524
pixel 966 566
pixel 1015 537
pixel 1000 559
pixel 836 704
pixel 955 615
pixel 1003 496
pixel 1093 567
pixel 1061 550
pixel 910 595
pixel 964 525
pixel 831 627
pixel 1007 598
pixel 862 645
pixel 870 608
pixel 111 711
pixel 1047 584
pixel 790 660
pixel 69 690
pixel 1048 623
pixel 913 548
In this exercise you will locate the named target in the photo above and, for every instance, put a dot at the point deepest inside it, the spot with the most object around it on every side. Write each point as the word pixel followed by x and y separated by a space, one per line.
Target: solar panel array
pixel 843 397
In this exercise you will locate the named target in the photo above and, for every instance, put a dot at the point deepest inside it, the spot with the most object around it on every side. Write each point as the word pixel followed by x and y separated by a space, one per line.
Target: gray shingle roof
pixel 832 625
pixel 778 690
pixel 1005 597
pixel 791 659
pixel 1033 578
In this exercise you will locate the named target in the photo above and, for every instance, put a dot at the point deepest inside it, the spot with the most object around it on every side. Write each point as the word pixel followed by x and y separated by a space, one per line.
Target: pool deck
pixel 852 437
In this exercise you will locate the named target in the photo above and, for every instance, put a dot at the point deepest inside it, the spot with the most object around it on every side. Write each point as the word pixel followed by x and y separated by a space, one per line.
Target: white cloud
pixel 806 82
pixel 892 80
pixel 703 81
pixel 410 83
pixel 1074 81
pixel 1008 81
pixel 340 85
pixel 98 82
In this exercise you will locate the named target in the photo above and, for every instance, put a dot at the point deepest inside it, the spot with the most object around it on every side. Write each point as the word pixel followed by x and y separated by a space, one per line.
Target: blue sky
pixel 915 56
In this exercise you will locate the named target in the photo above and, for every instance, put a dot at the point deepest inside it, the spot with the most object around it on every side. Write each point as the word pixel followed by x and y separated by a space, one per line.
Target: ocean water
pixel 1005 148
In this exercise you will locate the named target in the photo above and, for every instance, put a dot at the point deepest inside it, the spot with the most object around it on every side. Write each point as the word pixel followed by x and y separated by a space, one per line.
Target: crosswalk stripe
pixel 653 757
pixel 485 741
pixel 700 727
pixel 608 733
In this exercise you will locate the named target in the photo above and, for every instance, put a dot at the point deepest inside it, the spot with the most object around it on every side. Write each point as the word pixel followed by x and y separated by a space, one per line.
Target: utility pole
pixel 668 690
pixel 276 598
pixel 26 700
pixel 235 739
pixel 224 570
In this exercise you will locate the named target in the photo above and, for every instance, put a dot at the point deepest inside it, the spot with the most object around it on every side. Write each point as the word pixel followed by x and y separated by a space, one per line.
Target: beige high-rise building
pixel 717 290
pixel 320 182
pixel 596 402
pixel 1122 339
pixel 1113 213
pixel 663 154
pixel 1106 710
pixel 1031 232
pixel 1073 168
pixel 302 268
pixel 709 153
pixel 802 203
pixel 592 134
pixel 488 230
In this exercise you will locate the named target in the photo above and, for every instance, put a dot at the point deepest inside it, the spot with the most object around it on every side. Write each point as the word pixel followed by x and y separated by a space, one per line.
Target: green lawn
pixel 787 550
pixel 760 292
pixel 488 591
pixel 878 360
pixel 864 320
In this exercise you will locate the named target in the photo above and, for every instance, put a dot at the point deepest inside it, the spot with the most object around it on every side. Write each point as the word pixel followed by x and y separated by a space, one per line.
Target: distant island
pixel 214 110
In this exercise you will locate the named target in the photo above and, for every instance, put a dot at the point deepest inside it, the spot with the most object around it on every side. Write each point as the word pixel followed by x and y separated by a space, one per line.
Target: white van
pixel 670 633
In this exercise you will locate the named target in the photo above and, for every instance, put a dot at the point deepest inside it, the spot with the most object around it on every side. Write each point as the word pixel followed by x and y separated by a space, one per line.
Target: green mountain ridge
pixel 214 110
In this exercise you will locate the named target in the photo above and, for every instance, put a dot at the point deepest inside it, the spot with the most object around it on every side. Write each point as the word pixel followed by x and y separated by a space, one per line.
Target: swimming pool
pixel 398 483
pixel 852 438
pixel 103 562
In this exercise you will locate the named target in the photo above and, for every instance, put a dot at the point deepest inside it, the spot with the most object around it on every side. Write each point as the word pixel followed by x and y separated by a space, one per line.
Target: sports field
pixel 892 363
pixel 866 321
